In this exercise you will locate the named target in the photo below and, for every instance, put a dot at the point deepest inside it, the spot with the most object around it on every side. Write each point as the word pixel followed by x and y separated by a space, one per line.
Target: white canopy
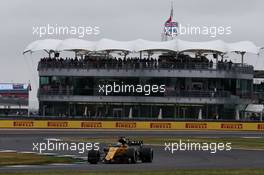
pixel 46 44
pixel 75 44
pixel 216 45
pixel 141 45
pixel 113 45
pixel 144 45
pixel 258 108
pixel 243 46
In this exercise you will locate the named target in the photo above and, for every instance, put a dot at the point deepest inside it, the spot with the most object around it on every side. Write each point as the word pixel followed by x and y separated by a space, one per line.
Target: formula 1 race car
pixel 125 151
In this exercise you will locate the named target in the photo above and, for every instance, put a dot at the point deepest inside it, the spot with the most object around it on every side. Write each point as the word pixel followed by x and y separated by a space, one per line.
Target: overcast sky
pixel 120 20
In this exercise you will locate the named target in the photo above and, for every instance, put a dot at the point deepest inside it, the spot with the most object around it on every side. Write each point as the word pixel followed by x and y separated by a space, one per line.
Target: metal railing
pixel 221 66
pixel 124 118
pixel 181 93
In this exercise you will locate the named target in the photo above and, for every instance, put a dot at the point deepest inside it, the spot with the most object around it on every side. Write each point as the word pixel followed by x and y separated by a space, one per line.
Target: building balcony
pixel 188 96
pixel 199 70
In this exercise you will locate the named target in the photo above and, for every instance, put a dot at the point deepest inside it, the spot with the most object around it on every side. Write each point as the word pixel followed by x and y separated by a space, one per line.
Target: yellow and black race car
pixel 125 151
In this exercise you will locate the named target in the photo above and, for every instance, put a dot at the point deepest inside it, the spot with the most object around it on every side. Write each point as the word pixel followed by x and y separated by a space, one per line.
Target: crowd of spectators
pixel 179 61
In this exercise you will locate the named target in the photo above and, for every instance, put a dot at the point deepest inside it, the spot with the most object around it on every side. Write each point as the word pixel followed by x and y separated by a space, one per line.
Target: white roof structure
pixel 144 45
pixel 215 46
pixel 255 108
pixel 113 45
pixel 46 44
pixel 243 46
pixel 140 45
pixel 75 44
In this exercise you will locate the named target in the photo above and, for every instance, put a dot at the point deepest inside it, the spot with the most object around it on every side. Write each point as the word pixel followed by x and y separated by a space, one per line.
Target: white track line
pixel 53 139
pixel 27 152
pixel 8 151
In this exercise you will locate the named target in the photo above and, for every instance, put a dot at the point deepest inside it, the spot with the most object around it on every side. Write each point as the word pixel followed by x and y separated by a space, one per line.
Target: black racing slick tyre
pixel 146 155
pixel 93 156
pixel 132 155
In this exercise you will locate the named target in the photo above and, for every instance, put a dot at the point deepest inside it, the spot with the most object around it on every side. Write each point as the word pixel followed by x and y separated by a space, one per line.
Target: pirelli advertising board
pixel 130 125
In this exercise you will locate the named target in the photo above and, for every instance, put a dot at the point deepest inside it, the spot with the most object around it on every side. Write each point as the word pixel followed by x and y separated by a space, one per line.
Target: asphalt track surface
pixel 22 140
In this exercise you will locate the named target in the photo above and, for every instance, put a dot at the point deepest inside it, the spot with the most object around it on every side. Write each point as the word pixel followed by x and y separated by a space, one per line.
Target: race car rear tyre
pixel 146 155
pixel 131 155
pixel 93 156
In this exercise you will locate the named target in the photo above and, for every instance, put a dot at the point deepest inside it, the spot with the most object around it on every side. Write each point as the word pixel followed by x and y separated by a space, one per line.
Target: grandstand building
pixel 14 99
pixel 144 79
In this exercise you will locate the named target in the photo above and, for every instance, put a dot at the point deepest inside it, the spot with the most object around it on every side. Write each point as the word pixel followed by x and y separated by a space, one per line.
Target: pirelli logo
pixel 126 124
pixel 260 127
pixel 58 124
pixel 26 124
pixel 91 124
pixel 160 125
pixel 232 126
pixel 196 125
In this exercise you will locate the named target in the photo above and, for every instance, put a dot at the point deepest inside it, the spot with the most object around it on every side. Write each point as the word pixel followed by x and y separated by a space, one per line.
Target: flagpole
pixel 171 19
pixel 168 27
pixel 29 89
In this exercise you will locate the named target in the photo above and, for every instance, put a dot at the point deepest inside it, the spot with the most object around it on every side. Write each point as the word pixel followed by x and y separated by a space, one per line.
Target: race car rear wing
pixel 135 143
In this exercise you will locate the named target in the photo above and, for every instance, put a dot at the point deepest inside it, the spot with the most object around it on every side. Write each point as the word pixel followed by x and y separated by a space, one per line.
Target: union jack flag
pixel 170 27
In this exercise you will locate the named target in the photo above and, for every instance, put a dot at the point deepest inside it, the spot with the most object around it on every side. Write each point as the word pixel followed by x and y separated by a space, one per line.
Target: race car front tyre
pixel 146 155
pixel 132 155
pixel 93 156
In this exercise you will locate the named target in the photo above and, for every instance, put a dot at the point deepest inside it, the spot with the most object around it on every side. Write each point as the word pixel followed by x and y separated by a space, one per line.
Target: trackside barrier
pixel 132 125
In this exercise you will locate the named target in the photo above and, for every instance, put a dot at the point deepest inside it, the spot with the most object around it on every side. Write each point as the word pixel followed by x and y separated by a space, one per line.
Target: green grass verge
pixel 12 158
pixel 242 143
pixel 175 172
